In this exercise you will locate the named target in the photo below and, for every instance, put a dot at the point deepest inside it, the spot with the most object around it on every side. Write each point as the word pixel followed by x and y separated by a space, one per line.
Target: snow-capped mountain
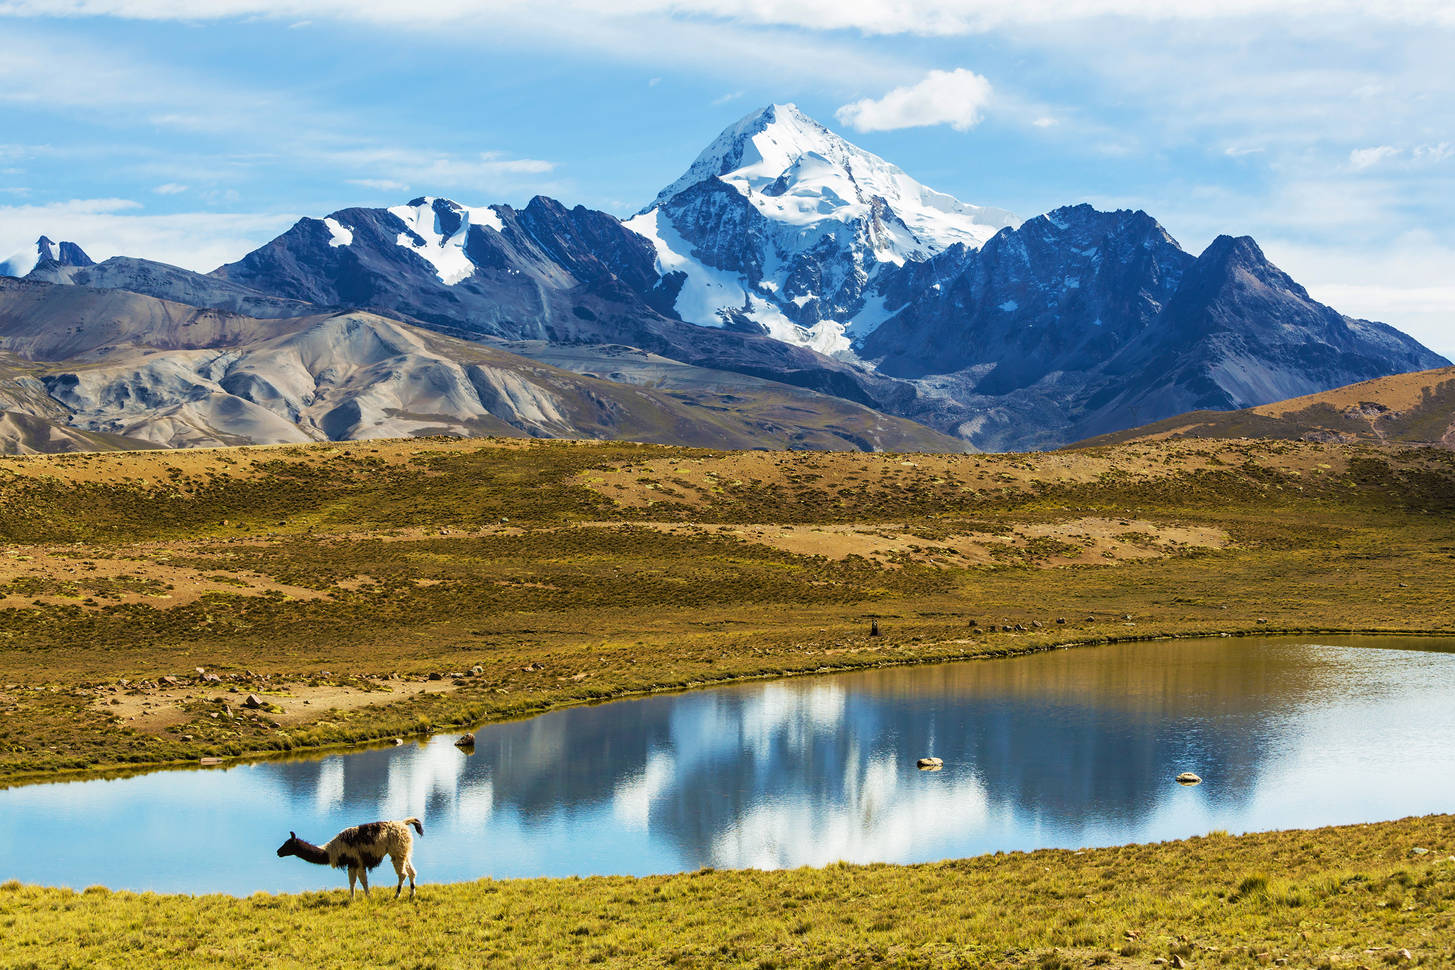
pixel 786 254
pixel 783 226
pixel 43 254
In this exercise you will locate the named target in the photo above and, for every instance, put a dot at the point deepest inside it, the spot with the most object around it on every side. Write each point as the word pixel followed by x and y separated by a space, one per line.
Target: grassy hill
pixel 377 589
pixel 1417 408
pixel 568 571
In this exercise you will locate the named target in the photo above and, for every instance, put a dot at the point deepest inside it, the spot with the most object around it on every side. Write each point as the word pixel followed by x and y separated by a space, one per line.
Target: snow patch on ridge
pixel 339 234
pixel 445 253
pixel 709 294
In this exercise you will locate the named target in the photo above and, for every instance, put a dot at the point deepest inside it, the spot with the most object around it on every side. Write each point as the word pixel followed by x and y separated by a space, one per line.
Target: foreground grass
pixel 1351 896
pixel 334 581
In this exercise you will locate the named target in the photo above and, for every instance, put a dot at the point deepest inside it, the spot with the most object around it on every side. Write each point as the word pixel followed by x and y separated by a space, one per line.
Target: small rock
pixel 1262 619
pixel 253 701
pixel 1419 850
pixel 1126 616
pixel 1159 961
pixel 169 679
pixel 200 671
pixel 1061 620
pixel 1036 624
pixel 929 763
pixel 209 761
pixel 1189 778
pixel 397 742
pixel 436 675
pixel 465 741
pixel 476 671
pixel 1404 956
pixel 1177 962
pixel 187 737
pixel 974 623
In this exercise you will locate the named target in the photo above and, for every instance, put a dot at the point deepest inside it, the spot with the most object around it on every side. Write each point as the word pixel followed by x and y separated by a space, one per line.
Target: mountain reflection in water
pixel 1068 748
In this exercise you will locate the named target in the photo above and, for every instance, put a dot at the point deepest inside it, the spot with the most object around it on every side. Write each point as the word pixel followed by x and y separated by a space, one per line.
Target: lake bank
pixel 1067 749
pixel 1349 896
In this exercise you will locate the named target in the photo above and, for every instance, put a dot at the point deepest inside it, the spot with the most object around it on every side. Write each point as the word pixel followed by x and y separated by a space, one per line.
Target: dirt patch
pixel 92 578
pixel 1075 541
pixel 699 482
pixel 154 709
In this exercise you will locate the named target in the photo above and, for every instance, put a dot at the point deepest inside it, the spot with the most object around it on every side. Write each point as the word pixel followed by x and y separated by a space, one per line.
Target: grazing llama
pixel 361 848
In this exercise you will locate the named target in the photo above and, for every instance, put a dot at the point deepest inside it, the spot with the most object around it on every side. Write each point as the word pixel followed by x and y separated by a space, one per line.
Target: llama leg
pixel 409 868
pixel 399 863
pixel 353 874
pixel 364 879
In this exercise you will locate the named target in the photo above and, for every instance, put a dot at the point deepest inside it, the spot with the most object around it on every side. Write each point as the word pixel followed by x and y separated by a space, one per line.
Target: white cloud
pixel 1405 281
pixel 728 97
pixel 1362 158
pixel 381 185
pixel 956 98
pixel 170 188
pixel 392 169
pixel 1433 153
pixel 199 241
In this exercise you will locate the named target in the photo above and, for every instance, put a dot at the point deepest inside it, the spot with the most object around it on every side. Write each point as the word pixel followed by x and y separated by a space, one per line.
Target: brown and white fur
pixel 361 848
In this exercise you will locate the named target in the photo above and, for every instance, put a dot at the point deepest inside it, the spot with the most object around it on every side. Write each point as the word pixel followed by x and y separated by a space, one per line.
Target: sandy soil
pixel 155 708
pixel 696 481
pixel 162 465
pixel 1399 392
pixel 131 574
pixel 1098 540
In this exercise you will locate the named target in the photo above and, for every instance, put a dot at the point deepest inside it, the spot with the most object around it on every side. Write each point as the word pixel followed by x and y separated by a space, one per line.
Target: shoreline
pixel 315 752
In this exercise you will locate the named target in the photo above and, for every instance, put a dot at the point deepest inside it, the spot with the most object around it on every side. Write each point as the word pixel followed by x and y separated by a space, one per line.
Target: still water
pixel 1073 748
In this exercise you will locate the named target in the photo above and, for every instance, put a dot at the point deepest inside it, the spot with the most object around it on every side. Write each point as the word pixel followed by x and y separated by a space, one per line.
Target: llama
pixel 361 848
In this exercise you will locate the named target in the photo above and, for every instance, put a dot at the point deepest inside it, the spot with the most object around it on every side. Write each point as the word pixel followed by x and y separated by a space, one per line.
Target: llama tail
pixel 418 825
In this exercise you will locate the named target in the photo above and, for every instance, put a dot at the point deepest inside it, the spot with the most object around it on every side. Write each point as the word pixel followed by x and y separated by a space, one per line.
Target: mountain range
pixel 788 290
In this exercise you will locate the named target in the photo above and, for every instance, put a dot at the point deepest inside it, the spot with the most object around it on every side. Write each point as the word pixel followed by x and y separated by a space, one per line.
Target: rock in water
pixel 465 741
pixel 1188 778
pixel 929 763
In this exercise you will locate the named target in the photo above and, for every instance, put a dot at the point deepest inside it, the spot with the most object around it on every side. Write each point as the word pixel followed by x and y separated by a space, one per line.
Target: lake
pixel 1070 748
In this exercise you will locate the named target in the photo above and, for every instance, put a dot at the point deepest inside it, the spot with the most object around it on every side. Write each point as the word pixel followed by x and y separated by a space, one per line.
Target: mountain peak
pixel 796 171
pixel 45 250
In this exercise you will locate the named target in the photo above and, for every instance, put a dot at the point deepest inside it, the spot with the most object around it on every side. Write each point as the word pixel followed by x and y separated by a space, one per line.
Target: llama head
pixel 290 847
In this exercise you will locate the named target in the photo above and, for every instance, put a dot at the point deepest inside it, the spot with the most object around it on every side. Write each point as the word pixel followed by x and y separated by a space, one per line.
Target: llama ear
pixel 292 835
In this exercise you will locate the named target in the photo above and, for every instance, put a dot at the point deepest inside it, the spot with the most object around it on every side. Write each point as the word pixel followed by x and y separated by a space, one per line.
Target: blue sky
pixel 192 131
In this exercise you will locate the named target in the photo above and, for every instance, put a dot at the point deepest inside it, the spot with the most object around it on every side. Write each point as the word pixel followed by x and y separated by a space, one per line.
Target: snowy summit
pixel 782 224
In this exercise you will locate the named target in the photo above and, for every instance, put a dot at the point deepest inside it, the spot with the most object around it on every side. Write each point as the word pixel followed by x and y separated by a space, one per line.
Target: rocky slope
pixel 104 363
pixel 1081 322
